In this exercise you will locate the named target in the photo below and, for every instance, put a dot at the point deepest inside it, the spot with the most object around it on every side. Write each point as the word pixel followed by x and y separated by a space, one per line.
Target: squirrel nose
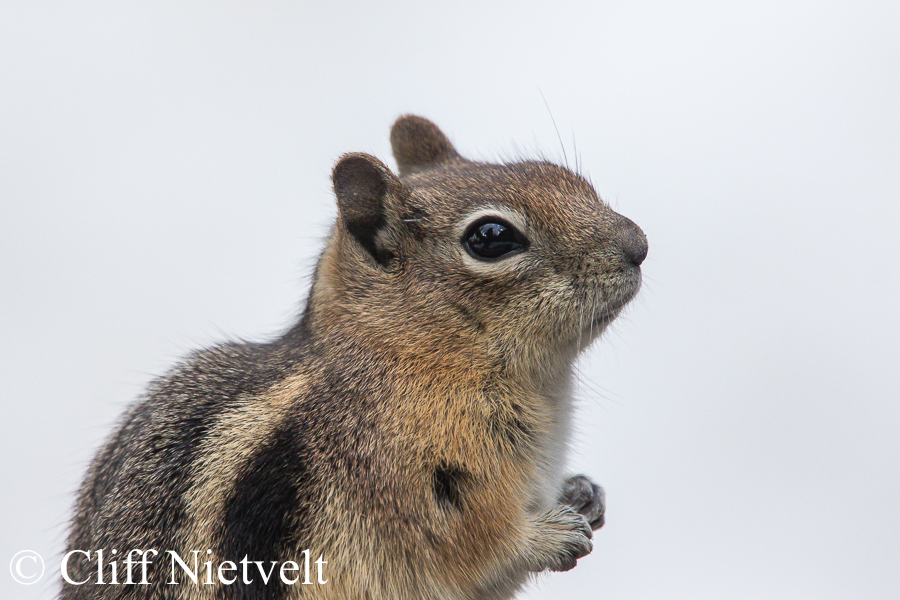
pixel 634 242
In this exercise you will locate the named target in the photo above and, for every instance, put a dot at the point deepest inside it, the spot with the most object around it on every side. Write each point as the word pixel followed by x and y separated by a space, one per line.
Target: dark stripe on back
pixel 267 512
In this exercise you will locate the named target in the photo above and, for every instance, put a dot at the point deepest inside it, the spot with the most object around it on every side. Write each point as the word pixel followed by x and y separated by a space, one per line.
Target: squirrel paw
pixel 562 537
pixel 586 497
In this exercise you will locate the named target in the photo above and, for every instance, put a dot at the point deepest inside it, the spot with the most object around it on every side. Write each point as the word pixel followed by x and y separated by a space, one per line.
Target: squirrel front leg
pixel 561 535
pixel 529 538
pixel 556 539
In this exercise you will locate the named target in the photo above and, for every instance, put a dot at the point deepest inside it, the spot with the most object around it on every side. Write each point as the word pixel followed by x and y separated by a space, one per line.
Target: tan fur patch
pixel 226 449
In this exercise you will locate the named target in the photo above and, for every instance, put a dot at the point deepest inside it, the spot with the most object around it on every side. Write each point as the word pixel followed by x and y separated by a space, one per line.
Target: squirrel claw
pixel 586 497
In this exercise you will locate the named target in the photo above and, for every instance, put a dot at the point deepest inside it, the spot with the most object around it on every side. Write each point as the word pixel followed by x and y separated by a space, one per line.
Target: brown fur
pixel 411 427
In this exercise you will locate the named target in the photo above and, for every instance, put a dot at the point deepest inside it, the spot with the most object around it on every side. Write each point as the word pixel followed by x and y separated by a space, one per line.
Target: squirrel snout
pixel 633 240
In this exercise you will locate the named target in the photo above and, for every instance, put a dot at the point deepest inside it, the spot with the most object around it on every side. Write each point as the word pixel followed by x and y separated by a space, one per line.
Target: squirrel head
pixel 513 262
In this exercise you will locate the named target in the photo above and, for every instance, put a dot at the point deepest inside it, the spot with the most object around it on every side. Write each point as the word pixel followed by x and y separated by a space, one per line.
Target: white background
pixel 164 176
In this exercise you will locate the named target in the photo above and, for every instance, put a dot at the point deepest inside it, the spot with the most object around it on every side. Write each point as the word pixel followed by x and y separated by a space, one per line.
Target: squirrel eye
pixel 493 239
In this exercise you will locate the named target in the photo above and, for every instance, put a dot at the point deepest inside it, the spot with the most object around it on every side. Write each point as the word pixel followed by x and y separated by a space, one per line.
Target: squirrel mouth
pixel 609 312
pixel 608 316
pixel 598 322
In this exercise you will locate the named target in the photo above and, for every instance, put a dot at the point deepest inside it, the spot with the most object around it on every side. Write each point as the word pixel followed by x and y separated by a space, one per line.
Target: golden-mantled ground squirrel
pixel 406 438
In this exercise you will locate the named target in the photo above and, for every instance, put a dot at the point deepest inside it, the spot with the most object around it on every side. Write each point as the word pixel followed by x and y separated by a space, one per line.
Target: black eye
pixel 491 239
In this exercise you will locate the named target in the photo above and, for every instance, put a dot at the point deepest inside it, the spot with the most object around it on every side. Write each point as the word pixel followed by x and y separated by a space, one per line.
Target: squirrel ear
pixel 417 144
pixel 363 186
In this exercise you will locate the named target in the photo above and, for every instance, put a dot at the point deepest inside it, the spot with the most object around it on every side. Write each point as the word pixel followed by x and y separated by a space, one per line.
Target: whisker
pixel 559 137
